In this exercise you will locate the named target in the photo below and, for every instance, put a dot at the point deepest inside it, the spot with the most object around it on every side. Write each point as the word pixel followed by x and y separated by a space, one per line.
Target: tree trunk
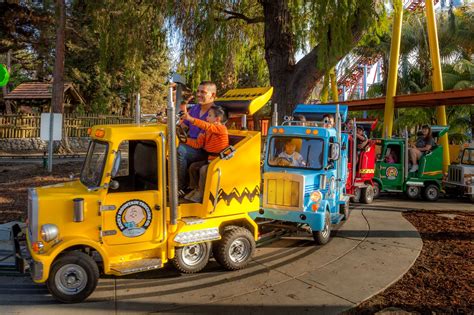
pixel 279 52
pixel 58 76
pixel 57 99
pixel 293 82
pixel 8 106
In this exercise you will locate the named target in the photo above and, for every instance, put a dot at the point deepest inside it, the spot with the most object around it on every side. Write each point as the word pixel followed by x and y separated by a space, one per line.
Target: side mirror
pixel 334 149
pixel 114 185
pixel 115 168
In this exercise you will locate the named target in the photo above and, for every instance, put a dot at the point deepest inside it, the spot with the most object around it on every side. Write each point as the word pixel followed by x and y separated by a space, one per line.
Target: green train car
pixel 394 176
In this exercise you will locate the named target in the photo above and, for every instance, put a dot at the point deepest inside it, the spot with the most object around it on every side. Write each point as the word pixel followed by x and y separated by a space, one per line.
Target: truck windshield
pixel 92 169
pixel 294 152
pixel 468 157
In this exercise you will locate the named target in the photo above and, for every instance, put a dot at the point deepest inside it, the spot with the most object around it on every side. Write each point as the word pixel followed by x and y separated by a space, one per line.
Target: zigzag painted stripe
pixel 234 194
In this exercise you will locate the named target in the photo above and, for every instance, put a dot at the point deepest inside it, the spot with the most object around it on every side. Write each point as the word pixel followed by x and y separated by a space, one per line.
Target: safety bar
pixel 219 173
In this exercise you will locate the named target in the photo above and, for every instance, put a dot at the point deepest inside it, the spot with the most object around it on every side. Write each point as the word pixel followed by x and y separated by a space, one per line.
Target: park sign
pixel 4 76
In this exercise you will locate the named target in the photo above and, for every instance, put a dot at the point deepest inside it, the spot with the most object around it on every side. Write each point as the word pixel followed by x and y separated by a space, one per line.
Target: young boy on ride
pixel 290 155
pixel 214 139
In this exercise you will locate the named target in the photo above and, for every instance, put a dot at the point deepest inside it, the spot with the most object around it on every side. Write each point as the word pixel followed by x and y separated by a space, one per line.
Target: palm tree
pixel 455 28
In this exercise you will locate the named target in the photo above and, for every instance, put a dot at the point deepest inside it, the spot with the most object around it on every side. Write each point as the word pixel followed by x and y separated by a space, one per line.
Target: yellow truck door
pixel 133 212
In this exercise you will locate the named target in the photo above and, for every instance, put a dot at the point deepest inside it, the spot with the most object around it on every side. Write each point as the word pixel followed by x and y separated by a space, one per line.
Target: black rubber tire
pixel 82 262
pixel 322 237
pixel 451 193
pixel 376 190
pixel 356 197
pixel 367 194
pixel 223 248
pixel 180 263
pixel 431 192
pixel 413 192
pixel 344 210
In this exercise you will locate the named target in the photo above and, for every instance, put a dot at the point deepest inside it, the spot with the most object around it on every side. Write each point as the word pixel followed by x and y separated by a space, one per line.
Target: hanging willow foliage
pixel 223 39
pixel 129 30
pixel 219 46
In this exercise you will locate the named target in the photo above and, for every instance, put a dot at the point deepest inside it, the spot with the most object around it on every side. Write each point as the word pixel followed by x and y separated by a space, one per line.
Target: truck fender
pixel 75 242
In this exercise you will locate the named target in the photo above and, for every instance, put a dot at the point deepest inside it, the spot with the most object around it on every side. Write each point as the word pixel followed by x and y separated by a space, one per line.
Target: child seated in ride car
pixel 213 140
pixel 391 157
pixel 290 157
pixel 423 144
pixel 328 121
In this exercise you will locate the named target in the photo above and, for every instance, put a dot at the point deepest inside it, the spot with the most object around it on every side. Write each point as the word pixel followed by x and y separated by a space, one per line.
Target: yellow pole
pixel 393 68
pixel 437 78
pixel 335 95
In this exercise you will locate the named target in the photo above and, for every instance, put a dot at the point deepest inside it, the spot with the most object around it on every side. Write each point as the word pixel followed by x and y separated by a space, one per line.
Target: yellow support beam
pixel 393 68
pixel 437 78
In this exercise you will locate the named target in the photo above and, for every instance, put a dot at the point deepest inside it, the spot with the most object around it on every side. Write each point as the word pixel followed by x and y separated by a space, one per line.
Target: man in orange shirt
pixel 214 139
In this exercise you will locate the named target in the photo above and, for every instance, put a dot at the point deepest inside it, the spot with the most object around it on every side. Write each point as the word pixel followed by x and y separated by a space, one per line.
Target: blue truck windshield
pixel 93 167
pixel 294 152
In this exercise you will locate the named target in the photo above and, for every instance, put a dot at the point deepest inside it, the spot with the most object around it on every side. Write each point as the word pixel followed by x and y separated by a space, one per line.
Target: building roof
pixel 40 90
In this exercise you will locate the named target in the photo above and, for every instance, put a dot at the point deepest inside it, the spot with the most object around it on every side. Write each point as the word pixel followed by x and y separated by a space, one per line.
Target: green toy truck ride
pixel 392 175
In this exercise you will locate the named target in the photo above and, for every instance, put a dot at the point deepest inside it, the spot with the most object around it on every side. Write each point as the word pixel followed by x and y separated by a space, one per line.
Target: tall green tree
pixel 324 31
pixel 118 50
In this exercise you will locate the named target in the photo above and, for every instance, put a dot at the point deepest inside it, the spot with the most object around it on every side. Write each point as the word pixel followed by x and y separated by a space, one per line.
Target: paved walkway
pixel 290 276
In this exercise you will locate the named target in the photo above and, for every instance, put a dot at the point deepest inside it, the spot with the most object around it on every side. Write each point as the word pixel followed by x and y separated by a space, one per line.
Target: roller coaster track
pixel 351 69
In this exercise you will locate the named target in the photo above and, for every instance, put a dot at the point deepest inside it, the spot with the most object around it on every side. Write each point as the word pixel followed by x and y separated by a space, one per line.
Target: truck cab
pixel 460 180
pixel 304 173
pixel 123 216
pixel 361 164
pixel 394 176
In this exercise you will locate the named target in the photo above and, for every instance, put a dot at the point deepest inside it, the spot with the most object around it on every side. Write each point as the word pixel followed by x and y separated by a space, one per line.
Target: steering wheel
pixel 282 161
pixel 181 133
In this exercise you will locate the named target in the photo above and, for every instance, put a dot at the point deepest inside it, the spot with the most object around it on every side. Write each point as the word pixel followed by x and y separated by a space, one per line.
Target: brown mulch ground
pixel 442 279
pixel 15 179
pixel 440 282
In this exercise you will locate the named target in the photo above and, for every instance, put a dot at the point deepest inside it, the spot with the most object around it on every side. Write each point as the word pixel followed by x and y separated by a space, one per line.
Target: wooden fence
pixel 75 125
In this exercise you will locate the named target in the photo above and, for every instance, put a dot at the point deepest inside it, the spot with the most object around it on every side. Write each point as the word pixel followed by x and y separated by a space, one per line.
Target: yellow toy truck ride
pixel 123 215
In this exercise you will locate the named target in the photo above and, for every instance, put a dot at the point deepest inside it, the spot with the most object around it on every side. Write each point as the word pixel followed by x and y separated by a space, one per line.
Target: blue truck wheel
pixel 322 237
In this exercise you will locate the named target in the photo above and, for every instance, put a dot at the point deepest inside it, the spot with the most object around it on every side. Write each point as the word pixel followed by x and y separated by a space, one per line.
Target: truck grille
pixel 283 191
pixel 455 175
pixel 33 214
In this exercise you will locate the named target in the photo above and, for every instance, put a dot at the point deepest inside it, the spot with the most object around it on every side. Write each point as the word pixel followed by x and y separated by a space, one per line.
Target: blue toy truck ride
pixel 305 172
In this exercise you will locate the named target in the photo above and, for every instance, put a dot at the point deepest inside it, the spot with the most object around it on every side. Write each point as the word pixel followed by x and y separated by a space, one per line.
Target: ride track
pixel 290 274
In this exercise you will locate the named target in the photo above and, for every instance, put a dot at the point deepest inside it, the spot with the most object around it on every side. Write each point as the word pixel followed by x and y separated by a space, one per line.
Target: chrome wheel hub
pixel 239 250
pixel 71 279
pixel 193 254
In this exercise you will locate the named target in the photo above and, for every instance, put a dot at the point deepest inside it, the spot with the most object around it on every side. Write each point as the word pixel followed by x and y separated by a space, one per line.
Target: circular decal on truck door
pixel 391 172
pixel 133 218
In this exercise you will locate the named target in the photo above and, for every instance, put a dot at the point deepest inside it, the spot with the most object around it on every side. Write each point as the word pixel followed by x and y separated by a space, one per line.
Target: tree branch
pixel 239 16
pixel 307 72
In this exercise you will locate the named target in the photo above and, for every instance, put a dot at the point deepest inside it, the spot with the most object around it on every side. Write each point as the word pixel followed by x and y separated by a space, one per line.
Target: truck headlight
pixel 49 232
pixel 469 181
pixel 316 198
